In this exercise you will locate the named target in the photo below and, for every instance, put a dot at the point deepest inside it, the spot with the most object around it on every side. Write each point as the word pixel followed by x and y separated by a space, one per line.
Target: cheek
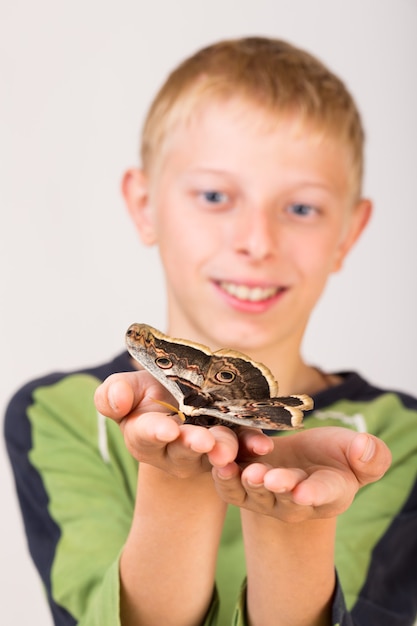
pixel 181 249
pixel 191 233
pixel 317 259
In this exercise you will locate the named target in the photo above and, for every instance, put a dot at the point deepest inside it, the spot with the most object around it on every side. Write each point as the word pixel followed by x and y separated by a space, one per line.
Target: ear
pixel 135 190
pixel 358 220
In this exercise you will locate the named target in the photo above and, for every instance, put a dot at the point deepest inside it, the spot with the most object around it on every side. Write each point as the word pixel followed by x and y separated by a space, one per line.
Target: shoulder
pixel 120 363
pixel 363 406
pixel 355 389
pixel 57 393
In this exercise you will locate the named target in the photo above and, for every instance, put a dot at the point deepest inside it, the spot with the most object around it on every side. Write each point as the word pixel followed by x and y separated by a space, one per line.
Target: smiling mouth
pixel 250 294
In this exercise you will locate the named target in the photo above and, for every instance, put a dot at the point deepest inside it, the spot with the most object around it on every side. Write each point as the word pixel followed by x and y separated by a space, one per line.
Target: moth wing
pixel 232 375
pixel 280 413
pixel 226 385
pixel 178 365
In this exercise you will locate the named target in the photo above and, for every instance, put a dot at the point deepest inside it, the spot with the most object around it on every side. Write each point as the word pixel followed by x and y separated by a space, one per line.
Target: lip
pixel 249 297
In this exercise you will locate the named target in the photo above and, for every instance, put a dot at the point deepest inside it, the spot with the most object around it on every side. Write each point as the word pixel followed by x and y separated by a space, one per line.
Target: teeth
pixel 253 294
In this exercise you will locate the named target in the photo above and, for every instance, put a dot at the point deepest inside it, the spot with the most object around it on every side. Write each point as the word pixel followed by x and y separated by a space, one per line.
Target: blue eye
pixel 214 197
pixel 301 210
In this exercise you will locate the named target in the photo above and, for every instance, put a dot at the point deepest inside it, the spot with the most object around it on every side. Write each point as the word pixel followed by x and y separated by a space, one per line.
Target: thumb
pixel 369 458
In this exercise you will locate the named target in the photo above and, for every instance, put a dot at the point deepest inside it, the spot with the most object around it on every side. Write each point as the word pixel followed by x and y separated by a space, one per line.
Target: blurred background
pixel 75 81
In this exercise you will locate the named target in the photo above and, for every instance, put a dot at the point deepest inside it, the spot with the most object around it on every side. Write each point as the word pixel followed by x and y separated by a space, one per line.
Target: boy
pixel 251 187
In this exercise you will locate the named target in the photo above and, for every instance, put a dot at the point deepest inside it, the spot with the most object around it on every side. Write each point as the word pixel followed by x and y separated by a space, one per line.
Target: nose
pixel 255 233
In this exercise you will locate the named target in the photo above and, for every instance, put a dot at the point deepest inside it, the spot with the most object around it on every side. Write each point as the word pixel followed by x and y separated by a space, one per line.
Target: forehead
pixel 235 132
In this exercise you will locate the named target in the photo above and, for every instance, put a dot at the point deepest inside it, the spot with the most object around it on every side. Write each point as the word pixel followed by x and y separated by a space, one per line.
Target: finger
pixel 253 442
pixel 369 458
pixel 122 393
pixel 226 446
pixel 253 481
pixel 147 436
pixel 114 397
pixel 196 439
pixel 187 454
pixel 228 484
pixel 200 448
pixel 325 488
pixel 283 480
pixel 158 440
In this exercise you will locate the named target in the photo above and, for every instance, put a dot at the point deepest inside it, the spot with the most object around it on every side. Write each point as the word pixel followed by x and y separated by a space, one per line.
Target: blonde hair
pixel 269 73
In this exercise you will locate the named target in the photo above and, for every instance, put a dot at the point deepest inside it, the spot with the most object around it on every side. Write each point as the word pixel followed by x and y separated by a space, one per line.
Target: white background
pixel 75 80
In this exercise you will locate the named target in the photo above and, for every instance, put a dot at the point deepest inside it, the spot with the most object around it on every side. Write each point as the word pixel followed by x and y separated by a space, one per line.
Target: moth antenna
pixel 172 407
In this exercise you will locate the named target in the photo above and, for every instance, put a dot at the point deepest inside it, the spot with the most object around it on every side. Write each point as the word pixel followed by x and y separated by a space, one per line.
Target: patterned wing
pixel 280 413
pixel 225 386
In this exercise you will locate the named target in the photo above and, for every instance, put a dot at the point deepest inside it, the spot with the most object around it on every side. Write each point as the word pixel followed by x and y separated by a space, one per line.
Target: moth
pixel 225 386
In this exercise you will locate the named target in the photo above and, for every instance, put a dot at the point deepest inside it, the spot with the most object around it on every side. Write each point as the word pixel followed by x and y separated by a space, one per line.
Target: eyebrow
pixel 299 184
pixel 207 170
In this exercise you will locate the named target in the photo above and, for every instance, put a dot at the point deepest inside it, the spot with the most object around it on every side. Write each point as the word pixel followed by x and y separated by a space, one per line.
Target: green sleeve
pixel 90 485
pixel 90 481
pixel 103 606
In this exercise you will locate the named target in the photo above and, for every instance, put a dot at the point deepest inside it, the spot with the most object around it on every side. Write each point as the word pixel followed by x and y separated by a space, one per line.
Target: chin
pixel 243 337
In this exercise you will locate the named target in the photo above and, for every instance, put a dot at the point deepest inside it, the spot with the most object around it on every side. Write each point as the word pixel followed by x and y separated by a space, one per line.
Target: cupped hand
pixel 309 475
pixel 152 436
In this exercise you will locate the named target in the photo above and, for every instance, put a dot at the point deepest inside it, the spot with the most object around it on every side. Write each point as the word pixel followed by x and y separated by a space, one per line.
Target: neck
pixel 294 376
